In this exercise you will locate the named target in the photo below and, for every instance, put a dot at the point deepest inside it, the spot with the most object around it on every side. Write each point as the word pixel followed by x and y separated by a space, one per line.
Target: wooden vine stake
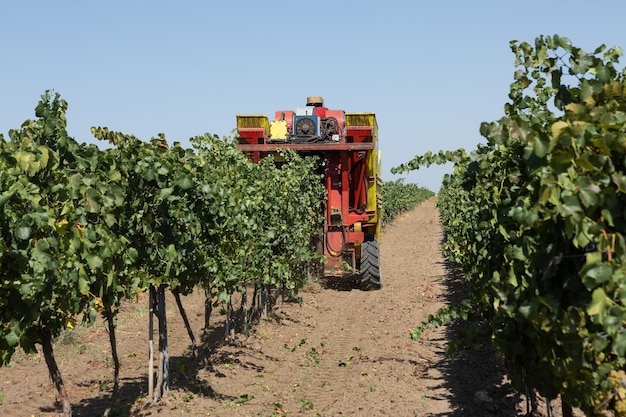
pixel 151 298
pixel 229 330
pixel 157 307
pixel 208 310
pixel 263 302
pixel 183 314
pixel 163 380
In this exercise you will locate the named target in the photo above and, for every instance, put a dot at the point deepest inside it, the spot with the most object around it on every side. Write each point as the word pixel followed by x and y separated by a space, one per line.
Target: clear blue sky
pixel 431 71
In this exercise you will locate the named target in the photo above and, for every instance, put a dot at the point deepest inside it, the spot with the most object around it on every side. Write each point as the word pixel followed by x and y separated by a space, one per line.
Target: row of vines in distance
pixel 83 229
pixel 399 197
pixel 535 218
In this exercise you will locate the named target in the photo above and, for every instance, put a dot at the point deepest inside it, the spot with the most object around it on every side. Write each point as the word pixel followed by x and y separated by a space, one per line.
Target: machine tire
pixel 370 266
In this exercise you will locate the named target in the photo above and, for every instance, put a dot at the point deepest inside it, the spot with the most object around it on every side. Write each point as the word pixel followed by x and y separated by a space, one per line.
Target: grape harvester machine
pixel 347 144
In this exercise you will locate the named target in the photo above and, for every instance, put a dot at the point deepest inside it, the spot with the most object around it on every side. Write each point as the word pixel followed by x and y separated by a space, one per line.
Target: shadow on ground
pixel 475 376
pixel 344 282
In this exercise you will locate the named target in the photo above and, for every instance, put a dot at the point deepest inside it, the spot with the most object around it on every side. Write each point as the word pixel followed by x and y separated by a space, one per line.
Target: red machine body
pixel 347 145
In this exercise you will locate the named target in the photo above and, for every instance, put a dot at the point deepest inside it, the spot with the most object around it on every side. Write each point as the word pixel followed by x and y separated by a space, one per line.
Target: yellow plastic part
pixel 362 119
pixel 373 166
pixel 253 120
pixel 278 130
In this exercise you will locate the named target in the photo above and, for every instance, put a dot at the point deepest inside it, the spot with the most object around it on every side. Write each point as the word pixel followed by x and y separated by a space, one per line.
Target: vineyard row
pixel 535 218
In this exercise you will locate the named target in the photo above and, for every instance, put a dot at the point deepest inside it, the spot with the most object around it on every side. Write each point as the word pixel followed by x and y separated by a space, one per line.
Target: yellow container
pixel 362 119
pixel 253 121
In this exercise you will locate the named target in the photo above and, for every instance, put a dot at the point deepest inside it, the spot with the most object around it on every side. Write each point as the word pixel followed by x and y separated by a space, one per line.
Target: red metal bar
pixel 357 217
pixel 334 214
pixel 335 237
pixel 345 187
pixel 359 183
pixel 355 237
pixel 334 147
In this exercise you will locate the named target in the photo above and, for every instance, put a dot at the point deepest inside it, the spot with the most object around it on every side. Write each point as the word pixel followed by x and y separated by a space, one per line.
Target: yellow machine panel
pixel 362 119
pixel 245 121
pixel 373 164
pixel 278 130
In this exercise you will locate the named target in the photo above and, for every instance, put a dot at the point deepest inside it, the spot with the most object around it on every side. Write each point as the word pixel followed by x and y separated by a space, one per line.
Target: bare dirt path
pixel 340 352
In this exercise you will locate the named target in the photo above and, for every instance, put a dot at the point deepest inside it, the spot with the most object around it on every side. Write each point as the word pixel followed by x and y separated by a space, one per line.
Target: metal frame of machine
pixel 348 146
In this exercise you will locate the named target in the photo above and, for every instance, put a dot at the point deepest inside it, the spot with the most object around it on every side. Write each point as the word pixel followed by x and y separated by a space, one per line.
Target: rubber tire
pixel 369 267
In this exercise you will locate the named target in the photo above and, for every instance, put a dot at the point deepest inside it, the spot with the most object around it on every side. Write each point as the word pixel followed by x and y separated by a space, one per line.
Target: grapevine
pixel 82 229
pixel 399 197
pixel 535 220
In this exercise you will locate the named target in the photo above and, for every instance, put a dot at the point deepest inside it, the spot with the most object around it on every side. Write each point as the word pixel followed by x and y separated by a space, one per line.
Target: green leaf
pixel 588 191
pixel 12 339
pixel 165 193
pixel 94 261
pixel 26 289
pixel 110 219
pixel 599 300
pixel 596 275
pixel 571 207
pixel 604 74
pixel 27 161
pixel 586 90
pixel 619 344
pixel 114 175
pixel 540 146
pixel 185 183
pixel 608 217
pixel 44 155
pixel 132 254
pixel 92 203
pixel 563 42
pixel 83 286
pixel 23 232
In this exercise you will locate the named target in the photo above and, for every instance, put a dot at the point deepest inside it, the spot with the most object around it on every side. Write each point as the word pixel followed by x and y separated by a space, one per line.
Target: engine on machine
pixel 308 124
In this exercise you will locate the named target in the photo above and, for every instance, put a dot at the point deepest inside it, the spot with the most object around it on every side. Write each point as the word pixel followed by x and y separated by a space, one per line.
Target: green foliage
pixel 443 316
pixel 535 218
pixel 260 217
pixel 242 399
pixel 52 243
pixel 305 404
pixel 399 197
pixel 82 229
